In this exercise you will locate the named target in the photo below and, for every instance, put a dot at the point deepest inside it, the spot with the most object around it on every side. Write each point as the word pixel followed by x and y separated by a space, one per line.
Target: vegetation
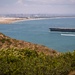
pixel 7 42
pixel 24 58
pixel 29 62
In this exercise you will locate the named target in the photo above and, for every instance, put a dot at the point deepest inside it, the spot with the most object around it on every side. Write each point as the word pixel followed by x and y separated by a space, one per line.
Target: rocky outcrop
pixel 7 42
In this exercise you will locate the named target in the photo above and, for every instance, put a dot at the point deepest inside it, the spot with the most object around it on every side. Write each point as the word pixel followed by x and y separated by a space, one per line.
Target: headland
pixel 9 20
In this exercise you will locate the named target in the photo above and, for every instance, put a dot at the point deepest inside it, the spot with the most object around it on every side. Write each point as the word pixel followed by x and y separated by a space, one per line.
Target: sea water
pixel 37 31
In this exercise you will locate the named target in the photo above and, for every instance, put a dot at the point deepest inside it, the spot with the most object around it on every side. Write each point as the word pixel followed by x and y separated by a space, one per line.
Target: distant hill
pixel 7 42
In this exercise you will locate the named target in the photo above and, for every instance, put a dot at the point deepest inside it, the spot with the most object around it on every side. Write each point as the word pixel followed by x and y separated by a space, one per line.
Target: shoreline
pixel 4 20
pixel 8 20
pixel 31 19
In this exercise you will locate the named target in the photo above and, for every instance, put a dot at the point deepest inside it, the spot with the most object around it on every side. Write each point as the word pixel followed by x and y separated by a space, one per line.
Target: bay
pixel 37 31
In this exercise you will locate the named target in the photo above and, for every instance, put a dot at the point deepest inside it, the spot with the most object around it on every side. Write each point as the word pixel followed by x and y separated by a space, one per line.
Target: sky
pixel 37 6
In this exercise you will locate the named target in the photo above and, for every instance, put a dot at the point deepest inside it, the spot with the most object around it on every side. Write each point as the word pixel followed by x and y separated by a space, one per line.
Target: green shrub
pixel 29 62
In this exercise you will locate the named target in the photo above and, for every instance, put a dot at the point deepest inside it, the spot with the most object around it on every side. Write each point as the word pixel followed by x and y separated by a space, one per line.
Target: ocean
pixel 37 31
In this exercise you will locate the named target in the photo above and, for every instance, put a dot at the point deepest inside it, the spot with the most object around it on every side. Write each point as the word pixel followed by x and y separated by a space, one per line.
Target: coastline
pixel 4 20
pixel 30 19
pixel 9 20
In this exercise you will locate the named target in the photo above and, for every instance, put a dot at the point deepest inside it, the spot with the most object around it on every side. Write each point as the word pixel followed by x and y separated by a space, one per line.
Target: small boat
pixel 63 29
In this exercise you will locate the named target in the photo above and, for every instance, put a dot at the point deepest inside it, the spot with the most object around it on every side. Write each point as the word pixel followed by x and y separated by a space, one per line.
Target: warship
pixel 63 29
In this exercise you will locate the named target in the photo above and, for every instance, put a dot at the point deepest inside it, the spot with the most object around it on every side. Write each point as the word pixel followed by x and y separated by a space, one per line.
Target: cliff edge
pixel 7 42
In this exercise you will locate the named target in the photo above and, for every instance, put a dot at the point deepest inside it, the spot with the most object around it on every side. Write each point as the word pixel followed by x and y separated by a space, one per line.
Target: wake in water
pixel 68 34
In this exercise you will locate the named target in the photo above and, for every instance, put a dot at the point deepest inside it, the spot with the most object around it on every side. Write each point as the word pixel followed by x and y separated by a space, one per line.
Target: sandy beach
pixel 4 20
pixel 9 20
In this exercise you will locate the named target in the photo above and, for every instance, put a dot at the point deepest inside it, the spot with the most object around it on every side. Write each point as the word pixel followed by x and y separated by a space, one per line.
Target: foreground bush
pixel 29 62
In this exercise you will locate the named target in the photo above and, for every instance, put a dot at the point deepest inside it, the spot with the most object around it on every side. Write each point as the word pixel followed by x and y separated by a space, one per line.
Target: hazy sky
pixel 38 6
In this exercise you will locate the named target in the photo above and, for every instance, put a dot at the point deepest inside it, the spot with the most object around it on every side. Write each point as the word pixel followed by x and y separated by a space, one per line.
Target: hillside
pixel 24 58
pixel 7 42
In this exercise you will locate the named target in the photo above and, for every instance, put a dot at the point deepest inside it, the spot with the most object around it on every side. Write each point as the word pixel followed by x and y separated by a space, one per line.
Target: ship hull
pixel 62 29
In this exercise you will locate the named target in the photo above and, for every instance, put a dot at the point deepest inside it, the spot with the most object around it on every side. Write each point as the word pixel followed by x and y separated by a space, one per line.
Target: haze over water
pixel 37 31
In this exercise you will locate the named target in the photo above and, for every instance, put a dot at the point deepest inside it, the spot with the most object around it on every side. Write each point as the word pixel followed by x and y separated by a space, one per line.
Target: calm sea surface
pixel 37 31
